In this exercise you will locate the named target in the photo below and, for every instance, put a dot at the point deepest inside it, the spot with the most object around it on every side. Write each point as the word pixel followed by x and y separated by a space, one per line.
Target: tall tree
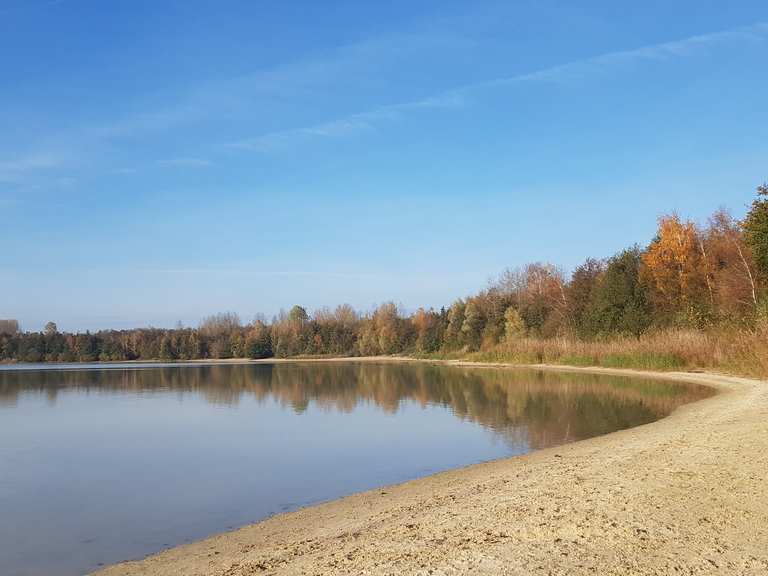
pixel 453 338
pixel 733 270
pixel 675 265
pixel 584 281
pixel 514 327
pixel 9 326
pixel 756 228
pixel 538 291
pixel 291 333
pixel 472 325
pixel 426 324
pixel 217 330
pixel 389 329
pixel 620 303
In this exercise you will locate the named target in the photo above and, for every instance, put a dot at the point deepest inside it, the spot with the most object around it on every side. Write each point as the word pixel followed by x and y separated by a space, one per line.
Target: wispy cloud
pixel 675 49
pixel 460 96
pixel 242 95
pixel 15 170
pixel 346 125
pixel 184 162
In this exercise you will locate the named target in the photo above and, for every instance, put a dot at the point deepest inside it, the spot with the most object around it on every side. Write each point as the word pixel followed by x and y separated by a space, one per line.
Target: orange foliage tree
pixel 677 268
pixel 733 267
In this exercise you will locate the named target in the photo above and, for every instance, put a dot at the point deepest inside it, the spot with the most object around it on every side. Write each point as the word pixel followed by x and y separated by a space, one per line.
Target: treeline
pixel 688 276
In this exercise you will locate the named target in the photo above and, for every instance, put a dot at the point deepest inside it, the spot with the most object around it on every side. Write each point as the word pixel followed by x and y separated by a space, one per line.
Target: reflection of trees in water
pixel 547 407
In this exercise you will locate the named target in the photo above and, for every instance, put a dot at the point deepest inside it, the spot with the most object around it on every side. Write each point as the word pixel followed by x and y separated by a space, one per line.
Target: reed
pixel 724 349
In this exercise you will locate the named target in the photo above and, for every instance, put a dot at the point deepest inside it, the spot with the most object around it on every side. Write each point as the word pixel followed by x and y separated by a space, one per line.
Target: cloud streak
pixel 460 96
pixel 302 76
pixel 184 162
pixel 346 125
pixel 13 171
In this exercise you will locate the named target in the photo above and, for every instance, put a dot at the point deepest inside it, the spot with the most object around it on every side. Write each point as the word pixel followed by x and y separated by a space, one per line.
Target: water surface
pixel 102 464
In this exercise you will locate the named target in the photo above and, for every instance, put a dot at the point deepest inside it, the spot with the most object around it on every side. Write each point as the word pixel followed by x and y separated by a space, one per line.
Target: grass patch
pixel 578 360
pixel 644 361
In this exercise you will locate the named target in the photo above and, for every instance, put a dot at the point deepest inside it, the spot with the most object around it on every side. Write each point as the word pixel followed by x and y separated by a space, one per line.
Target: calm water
pixel 101 465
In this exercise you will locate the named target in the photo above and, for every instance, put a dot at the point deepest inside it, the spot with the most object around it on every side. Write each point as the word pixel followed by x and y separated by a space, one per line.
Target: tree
pixel 346 323
pixel 219 324
pixel 453 338
pixel 258 342
pixel 389 328
pixel 191 346
pixel 584 281
pixel 733 270
pixel 756 229
pixel 298 315
pixel 676 266
pixel 538 292
pixel 10 327
pixel 367 342
pixel 167 348
pixel 51 329
pixel 217 331
pixel 473 324
pixel 492 302
pixel 619 303
pixel 427 326
pixel 514 327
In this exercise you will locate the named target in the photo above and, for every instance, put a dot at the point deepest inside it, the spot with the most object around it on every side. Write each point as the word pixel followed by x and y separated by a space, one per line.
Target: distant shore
pixel 685 494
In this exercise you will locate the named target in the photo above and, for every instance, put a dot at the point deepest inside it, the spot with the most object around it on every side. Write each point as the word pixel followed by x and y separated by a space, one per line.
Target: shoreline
pixel 686 494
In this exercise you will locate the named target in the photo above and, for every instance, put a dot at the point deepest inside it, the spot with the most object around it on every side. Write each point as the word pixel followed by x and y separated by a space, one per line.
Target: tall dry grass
pixel 731 350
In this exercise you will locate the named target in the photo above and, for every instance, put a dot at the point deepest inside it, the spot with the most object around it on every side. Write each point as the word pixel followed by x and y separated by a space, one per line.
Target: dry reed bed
pixel 736 351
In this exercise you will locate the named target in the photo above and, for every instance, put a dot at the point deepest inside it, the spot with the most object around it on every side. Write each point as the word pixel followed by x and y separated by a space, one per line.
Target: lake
pixel 105 463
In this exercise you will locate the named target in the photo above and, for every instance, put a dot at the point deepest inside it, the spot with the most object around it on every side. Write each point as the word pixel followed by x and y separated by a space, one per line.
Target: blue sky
pixel 165 161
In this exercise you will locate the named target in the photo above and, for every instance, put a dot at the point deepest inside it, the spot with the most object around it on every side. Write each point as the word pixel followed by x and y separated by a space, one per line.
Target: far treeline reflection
pixel 549 408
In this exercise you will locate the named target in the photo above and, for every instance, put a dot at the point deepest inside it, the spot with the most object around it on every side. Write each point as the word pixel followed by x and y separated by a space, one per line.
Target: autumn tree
pixel 514 327
pixel 335 331
pixel 473 324
pixel 733 270
pixel 167 349
pixel 389 328
pixel 190 346
pixel 219 324
pixel 492 303
pixel 290 332
pixel 675 264
pixel 258 340
pixel 217 331
pixel 427 327
pixel 538 292
pixel 453 338
pixel 9 327
pixel 367 343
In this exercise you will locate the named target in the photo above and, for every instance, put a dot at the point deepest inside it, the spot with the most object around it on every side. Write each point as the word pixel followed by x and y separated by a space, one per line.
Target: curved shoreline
pixel 685 494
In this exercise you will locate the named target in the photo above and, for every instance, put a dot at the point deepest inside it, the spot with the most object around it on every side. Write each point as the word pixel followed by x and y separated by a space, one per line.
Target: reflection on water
pixel 553 407
pixel 100 465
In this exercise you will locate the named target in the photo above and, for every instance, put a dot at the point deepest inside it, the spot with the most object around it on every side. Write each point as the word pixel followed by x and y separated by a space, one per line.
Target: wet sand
pixel 687 494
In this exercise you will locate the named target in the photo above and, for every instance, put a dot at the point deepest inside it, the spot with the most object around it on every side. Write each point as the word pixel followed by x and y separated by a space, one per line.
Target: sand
pixel 685 495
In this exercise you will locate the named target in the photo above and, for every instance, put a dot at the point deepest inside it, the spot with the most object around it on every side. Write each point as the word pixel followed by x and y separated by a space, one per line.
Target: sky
pixel 163 161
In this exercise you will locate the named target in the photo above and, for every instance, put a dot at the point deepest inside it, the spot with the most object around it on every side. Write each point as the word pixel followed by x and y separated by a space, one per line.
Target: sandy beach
pixel 685 495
